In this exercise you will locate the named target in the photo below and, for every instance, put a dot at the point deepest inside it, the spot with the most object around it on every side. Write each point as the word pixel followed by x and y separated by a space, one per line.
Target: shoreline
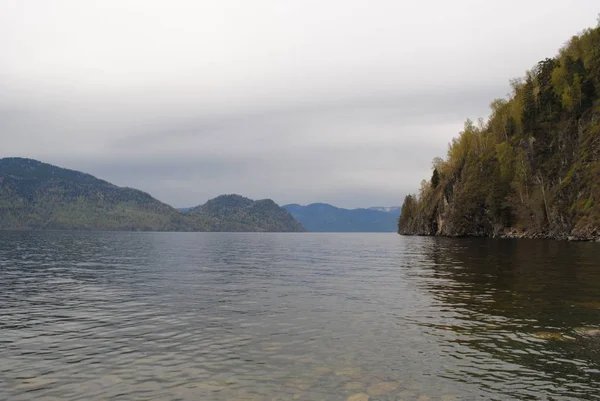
pixel 516 234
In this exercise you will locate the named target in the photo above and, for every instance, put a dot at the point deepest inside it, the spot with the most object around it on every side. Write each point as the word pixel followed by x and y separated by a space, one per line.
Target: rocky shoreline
pixel 444 222
pixel 519 234
pixel 523 234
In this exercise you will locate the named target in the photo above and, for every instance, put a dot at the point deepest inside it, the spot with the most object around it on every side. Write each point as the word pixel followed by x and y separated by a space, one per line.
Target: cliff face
pixel 533 169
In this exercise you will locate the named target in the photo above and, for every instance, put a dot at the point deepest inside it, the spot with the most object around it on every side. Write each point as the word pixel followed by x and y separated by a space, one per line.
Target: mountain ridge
pixel 237 213
pixel 324 217
pixel 40 196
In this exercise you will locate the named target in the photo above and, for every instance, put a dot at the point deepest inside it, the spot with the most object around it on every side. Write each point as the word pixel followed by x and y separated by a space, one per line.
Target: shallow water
pixel 202 316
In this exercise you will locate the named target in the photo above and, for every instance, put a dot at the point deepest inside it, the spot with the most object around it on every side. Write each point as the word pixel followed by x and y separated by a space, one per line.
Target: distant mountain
pixel 36 195
pixel 40 196
pixel 322 217
pixel 237 213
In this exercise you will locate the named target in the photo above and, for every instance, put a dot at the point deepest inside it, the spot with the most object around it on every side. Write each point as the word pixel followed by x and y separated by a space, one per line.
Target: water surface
pixel 207 316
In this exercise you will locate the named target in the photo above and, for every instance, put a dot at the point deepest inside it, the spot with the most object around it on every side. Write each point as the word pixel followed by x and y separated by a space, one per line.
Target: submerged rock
pixel 588 331
pixel 552 335
pixel 592 304
pixel 450 398
pixel 358 397
pixel 322 371
pixel 407 394
pixel 380 389
pixel 353 373
pixel 353 386
pixel 35 382
pixel 299 384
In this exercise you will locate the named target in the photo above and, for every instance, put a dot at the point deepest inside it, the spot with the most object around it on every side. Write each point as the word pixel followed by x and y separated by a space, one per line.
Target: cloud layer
pixel 344 102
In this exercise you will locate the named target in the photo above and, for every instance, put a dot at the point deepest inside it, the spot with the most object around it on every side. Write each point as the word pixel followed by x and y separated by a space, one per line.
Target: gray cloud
pixel 343 102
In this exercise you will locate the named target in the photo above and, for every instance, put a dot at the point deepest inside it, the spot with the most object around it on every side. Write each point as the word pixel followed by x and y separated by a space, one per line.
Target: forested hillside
pixel 36 195
pixel 40 196
pixel 237 213
pixel 531 170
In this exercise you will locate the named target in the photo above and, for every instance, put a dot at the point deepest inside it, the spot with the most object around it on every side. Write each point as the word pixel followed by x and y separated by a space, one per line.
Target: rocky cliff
pixel 533 169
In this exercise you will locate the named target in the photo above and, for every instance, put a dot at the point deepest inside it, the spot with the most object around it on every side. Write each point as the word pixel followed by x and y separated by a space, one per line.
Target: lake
pixel 218 316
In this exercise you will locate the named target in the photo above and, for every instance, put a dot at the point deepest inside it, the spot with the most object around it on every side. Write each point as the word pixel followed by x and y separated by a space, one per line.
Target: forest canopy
pixel 533 168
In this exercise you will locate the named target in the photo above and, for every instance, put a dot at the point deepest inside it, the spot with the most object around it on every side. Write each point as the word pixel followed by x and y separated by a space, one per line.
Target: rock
pixel 358 397
pixel 450 398
pixel 249 397
pixel 591 304
pixel 35 382
pixel 424 398
pixel 407 394
pixel 588 331
pixel 380 389
pixel 322 371
pixel 299 384
pixel 552 335
pixel 212 385
pixel 353 386
pixel 353 373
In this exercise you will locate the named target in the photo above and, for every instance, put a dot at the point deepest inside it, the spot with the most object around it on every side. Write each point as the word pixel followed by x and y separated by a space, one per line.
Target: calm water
pixel 135 316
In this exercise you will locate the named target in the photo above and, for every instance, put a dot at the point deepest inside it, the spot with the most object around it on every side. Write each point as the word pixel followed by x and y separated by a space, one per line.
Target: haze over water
pixel 208 316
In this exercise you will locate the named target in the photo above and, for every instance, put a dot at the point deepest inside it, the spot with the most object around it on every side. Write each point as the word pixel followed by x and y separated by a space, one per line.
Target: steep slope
pixel 237 213
pixel 533 170
pixel 322 217
pixel 36 195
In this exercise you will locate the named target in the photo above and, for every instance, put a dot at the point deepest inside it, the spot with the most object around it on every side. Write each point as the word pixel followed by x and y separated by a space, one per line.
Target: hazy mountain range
pixel 322 217
pixel 40 196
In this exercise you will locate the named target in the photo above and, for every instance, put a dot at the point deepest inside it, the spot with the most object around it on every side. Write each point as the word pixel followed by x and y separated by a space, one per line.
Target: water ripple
pixel 168 316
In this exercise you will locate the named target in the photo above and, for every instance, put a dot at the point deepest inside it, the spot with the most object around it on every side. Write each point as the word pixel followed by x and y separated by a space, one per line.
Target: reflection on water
pixel 191 316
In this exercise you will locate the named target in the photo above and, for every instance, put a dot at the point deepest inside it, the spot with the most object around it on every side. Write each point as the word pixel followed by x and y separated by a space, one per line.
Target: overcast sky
pixel 301 101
